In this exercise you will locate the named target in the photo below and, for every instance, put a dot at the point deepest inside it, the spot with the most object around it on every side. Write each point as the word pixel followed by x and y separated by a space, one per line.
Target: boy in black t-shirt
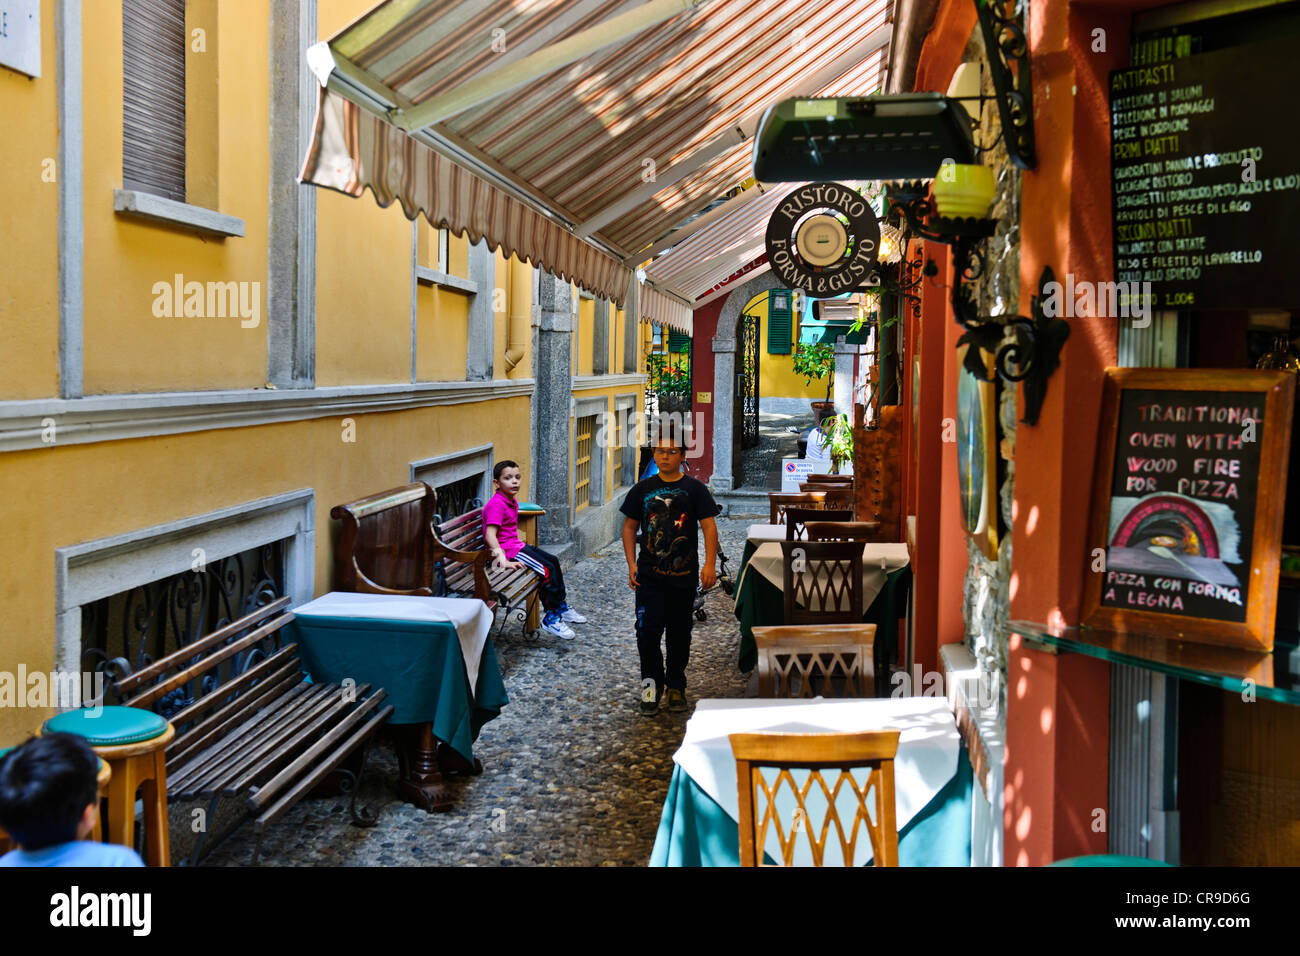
pixel 668 509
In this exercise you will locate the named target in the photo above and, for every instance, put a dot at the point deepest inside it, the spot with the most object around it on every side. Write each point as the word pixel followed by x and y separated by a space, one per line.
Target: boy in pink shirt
pixel 501 532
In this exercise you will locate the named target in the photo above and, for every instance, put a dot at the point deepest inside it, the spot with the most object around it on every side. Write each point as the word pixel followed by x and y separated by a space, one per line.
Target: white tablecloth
pixel 926 760
pixel 471 617
pixel 758 533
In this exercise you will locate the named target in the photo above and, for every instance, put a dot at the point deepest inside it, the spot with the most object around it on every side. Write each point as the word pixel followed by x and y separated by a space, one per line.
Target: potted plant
pixel 837 435
pixel 671 383
pixel 817 362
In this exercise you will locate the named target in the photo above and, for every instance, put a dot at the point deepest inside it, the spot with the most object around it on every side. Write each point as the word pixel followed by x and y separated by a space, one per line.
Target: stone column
pixel 843 390
pixel 724 402
pixel 551 402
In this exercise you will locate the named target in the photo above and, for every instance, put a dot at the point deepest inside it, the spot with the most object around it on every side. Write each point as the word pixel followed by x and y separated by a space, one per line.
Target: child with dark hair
pixel 669 510
pixel 501 533
pixel 48 802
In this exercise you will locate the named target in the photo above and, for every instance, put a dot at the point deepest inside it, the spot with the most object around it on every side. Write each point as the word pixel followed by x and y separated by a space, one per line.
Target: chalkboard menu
pixel 1205 177
pixel 1187 505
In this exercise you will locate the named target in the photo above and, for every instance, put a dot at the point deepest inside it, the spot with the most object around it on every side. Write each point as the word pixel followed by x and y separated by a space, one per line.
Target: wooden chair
pixel 830 660
pixel 837 495
pixel 817 753
pixel 846 530
pixel 778 502
pixel 822 582
pixel 830 479
pixel 796 518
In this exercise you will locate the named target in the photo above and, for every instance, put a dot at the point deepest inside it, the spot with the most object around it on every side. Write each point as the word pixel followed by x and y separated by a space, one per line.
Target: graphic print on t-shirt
pixel 669 541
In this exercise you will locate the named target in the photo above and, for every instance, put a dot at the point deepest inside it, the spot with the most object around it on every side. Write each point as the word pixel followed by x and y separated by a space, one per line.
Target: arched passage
pixel 724 376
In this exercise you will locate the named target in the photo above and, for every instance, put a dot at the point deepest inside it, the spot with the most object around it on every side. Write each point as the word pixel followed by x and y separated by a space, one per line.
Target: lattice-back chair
pixel 822 582
pixel 827 660
pixel 778 502
pixel 846 530
pixel 796 519
pixel 384 545
pixel 792 807
pixel 838 495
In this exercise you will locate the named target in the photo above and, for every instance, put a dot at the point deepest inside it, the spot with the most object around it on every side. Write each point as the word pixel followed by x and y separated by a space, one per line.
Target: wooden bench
pixel 263 731
pixel 465 569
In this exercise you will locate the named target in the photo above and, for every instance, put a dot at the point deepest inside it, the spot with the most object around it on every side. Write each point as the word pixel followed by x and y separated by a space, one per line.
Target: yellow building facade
pixel 183 380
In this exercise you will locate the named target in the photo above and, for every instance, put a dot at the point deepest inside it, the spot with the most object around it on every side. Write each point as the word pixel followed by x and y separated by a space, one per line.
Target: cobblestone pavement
pixel 778 436
pixel 573 774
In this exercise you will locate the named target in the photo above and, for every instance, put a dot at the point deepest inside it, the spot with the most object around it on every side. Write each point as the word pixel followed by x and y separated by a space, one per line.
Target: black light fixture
pixel 885 136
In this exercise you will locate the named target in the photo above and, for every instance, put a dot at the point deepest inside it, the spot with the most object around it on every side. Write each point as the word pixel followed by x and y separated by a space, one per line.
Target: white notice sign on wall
pixel 20 36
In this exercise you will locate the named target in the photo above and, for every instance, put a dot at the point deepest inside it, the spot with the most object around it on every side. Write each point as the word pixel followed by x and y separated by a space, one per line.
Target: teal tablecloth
pixel 419 663
pixel 759 602
pixel 695 831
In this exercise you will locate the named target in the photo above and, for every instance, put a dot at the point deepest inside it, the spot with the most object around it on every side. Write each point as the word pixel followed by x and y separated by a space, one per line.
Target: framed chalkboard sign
pixel 1186 532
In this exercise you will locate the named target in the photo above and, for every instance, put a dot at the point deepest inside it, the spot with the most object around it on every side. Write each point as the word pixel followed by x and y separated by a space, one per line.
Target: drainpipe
pixel 521 301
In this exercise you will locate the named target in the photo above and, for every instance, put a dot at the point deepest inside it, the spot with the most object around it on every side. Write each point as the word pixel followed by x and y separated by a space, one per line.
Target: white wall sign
pixel 20 36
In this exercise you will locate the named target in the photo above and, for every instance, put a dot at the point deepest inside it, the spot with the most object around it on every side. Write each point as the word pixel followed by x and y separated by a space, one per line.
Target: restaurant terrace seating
pixel 796 518
pixel 822 582
pixel 842 530
pixel 828 660
pixel 765 798
pixel 778 502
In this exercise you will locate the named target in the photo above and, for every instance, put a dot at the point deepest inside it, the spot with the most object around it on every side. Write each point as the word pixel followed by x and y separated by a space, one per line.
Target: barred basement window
pixel 131 629
pixel 582 487
pixel 458 497
pixel 153 97
pixel 620 437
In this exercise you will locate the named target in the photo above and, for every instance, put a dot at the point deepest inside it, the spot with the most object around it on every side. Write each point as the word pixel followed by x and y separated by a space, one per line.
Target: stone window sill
pixel 142 205
pixel 444 281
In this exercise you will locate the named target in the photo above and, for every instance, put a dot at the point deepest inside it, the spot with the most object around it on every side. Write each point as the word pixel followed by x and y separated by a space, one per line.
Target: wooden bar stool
pixel 101 783
pixel 134 744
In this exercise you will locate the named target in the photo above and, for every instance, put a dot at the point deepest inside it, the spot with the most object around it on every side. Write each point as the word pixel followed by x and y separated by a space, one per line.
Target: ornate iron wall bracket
pixel 1025 350
pixel 1004 39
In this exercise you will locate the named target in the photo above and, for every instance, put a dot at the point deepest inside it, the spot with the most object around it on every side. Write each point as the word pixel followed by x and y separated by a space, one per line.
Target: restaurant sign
pixel 1205 177
pixel 824 239
pixel 20 36
pixel 1187 504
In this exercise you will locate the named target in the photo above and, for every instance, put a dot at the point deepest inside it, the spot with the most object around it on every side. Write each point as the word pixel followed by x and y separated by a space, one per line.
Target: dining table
pixel 435 658
pixel 932 781
pixel 760 597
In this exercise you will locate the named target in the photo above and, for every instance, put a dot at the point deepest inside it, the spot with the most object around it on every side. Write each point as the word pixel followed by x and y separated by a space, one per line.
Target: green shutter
pixel 778 322
pixel 678 341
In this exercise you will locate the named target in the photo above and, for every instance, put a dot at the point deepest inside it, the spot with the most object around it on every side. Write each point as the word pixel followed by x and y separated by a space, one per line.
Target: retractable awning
pixel 577 134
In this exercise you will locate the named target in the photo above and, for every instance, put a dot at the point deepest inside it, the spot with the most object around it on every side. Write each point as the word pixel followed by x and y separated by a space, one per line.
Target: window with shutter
pixel 153 97
pixel 678 341
pixel 778 322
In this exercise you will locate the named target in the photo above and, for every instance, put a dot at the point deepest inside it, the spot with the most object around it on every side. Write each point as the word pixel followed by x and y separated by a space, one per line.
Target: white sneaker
pixel 556 627
pixel 570 616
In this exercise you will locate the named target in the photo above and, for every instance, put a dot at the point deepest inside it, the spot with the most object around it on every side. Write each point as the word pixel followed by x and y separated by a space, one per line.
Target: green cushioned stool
pixel 134 742
pixel 109 726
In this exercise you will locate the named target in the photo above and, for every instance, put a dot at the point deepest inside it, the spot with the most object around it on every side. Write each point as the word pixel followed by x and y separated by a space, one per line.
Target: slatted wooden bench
pixel 465 570
pixel 266 732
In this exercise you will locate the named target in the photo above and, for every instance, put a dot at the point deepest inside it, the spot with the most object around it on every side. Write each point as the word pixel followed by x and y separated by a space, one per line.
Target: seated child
pixel 501 532
pixel 48 803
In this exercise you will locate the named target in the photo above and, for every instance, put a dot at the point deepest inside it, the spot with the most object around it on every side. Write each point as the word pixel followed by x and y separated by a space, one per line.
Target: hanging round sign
pixel 824 239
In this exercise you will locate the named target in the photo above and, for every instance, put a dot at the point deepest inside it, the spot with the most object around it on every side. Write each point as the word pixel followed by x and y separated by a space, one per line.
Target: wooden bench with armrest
pixel 465 568
pixel 264 731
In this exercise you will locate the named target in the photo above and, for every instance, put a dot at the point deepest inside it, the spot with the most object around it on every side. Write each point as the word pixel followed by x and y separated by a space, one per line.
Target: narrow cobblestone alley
pixel 573 774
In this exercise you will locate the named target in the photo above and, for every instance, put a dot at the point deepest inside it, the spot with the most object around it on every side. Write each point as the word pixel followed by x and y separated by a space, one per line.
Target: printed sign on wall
pixel 20 36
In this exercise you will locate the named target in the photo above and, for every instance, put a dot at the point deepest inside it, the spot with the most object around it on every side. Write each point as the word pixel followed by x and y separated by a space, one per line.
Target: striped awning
pixel 563 126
